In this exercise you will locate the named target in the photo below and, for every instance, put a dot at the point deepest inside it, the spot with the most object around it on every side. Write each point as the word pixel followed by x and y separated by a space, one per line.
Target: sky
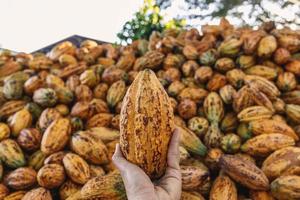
pixel 28 25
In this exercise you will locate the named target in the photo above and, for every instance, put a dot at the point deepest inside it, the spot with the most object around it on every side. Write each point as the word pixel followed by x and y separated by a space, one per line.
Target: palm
pixel 139 186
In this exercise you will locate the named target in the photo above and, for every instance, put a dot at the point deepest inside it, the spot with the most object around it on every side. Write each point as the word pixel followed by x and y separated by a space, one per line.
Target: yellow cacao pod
pixel 146 106
pixel 244 172
pixel 265 144
pixel 116 93
pixel 67 189
pixel 263 71
pixel 4 131
pixel 263 84
pixel 191 142
pixel 293 112
pixel 195 178
pixel 38 194
pixel 11 154
pixel 20 120
pixel 51 176
pixel 268 126
pixel 56 136
pixel 76 168
pixel 286 188
pixel 223 188
pixel 267 45
pixel 36 160
pixel 104 187
pixel 21 178
pixel 105 134
pixel 99 120
pixel 281 161
pixel 254 113
pixel 11 107
pixel 213 107
pixel 89 146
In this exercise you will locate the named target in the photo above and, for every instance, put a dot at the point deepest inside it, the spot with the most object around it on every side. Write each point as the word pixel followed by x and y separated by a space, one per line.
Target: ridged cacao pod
pixel 20 120
pixel 195 178
pixel 76 168
pixel 4 131
pixel 67 189
pixel 56 136
pixel 150 93
pixel 203 74
pixel 265 144
pixel 51 176
pixel 11 154
pixel 104 187
pixel 47 117
pixel 198 125
pixel 55 158
pixel 267 126
pixel 45 97
pixel 38 194
pixel 191 142
pixel 244 172
pixel 286 188
pixel 213 107
pixel 89 146
pixel 281 161
pixel 230 143
pixel 115 93
pixel 36 160
pixel 293 112
pixel 21 178
pixel 29 139
pixel 253 113
pixel 223 188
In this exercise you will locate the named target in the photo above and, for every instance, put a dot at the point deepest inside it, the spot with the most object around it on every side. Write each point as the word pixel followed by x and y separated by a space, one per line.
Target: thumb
pixel 118 159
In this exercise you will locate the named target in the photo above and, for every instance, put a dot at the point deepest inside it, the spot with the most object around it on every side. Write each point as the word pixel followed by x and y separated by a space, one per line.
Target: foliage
pixel 251 12
pixel 146 20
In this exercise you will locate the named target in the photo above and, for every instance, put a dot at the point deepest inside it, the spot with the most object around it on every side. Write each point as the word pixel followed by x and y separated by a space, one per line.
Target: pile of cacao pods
pixel 235 93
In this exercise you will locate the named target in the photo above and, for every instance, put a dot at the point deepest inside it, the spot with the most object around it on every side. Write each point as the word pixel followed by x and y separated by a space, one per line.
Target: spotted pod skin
pixel 56 136
pixel 11 154
pixel 223 188
pixel 106 187
pixel 268 126
pixel 263 84
pixel 263 145
pixel 195 178
pixel 146 124
pixel 213 107
pixel 244 172
pixel 21 178
pixel 38 194
pixel 254 113
pixel 282 161
pixel 286 188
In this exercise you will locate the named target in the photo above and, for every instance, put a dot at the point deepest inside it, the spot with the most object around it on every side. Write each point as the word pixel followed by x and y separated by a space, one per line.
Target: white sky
pixel 28 25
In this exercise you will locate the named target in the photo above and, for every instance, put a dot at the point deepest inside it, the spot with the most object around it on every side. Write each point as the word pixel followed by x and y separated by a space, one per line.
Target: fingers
pixel 135 180
pixel 171 181
pixel 173 152
pixel 118 159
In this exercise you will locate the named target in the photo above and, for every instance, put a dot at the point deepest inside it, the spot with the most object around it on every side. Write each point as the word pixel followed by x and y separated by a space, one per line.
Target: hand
pixel 139 186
